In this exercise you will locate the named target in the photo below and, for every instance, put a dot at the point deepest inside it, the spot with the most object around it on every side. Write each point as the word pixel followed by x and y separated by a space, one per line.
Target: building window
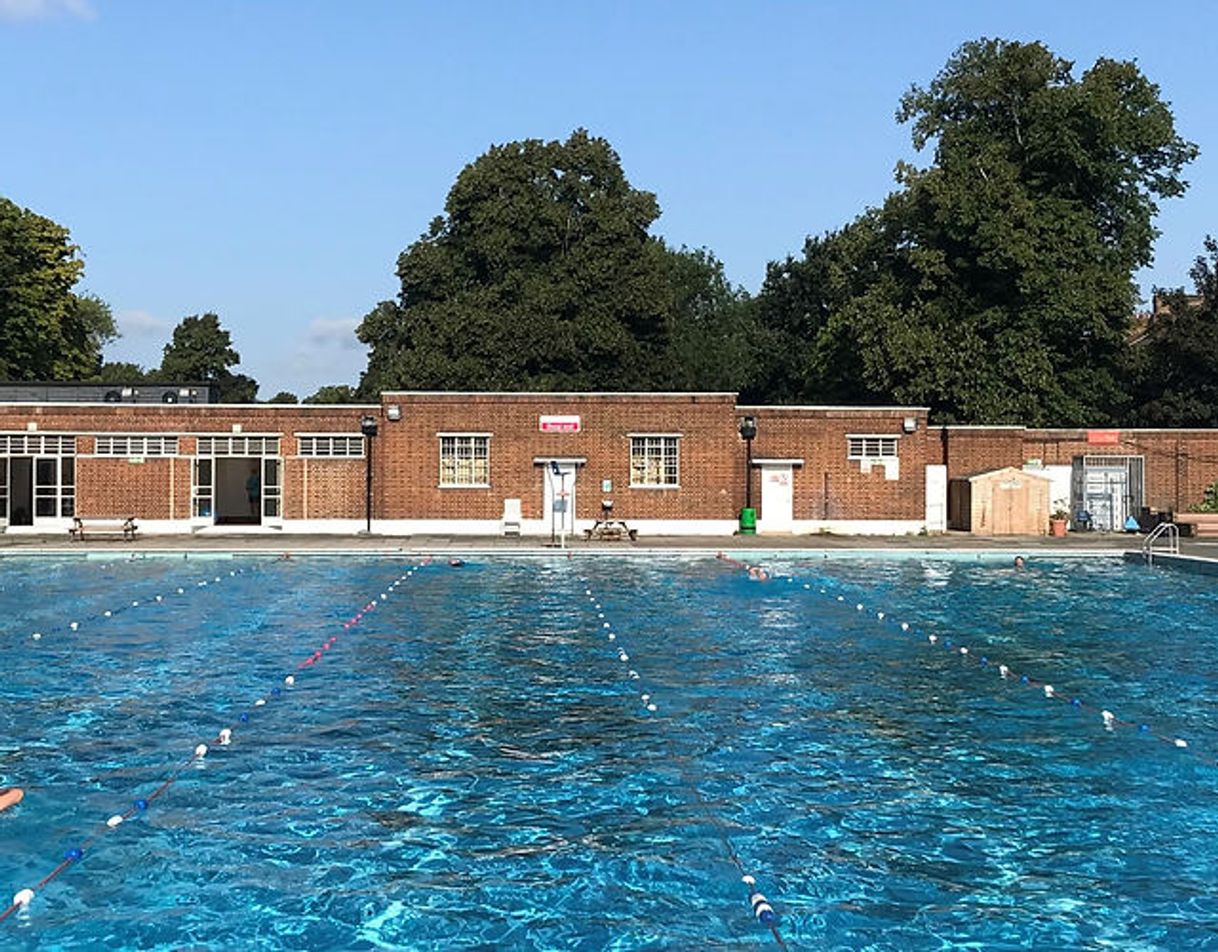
pixel 654 461
pixel 871 447
pixel 131 445
pixel 36 444
pixel 331 446
pixel 238 446
pixel 465 459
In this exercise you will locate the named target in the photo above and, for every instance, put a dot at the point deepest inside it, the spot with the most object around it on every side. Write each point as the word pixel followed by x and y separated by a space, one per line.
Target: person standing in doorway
pixel 253 491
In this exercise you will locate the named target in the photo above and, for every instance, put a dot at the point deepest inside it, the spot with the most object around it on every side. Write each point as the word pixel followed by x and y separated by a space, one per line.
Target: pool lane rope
pixel 763 911
pixel 23 897
pixel 75 625
pixel 1108 720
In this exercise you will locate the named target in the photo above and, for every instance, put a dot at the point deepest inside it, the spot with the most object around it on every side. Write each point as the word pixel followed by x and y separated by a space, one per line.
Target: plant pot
pixel 1057 527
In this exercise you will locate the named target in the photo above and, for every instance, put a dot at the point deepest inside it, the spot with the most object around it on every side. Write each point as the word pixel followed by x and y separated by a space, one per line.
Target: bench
pixel 1198 528
pixel 124 529
pixel 610 531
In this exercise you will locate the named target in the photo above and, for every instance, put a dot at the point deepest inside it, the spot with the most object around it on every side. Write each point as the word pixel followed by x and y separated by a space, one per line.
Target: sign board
pixel 558 424
pixel 1104 437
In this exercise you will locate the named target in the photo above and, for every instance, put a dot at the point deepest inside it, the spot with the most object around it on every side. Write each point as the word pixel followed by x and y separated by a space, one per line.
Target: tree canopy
pixel 996 284
pixel 47 332
pixel 1175 365
pixel 202 350
pixel 541 274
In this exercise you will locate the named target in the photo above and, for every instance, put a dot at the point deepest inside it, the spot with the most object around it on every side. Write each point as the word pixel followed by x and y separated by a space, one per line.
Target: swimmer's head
pixel 1019 561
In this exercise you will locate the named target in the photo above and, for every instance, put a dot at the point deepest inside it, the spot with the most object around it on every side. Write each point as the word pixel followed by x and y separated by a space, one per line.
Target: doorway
pixel 777 498
pixel 558 495
pixel 237 492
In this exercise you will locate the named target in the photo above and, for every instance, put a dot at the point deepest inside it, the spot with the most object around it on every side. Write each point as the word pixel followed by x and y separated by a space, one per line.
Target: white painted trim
pixel 814 406
pixel 859 526
pixel 777 462
pixel 572 460
pixel 463 433
pixel 558 395
pixel 650 433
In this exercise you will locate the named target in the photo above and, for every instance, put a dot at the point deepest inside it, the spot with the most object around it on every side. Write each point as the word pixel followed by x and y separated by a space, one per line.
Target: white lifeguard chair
pixel 510 523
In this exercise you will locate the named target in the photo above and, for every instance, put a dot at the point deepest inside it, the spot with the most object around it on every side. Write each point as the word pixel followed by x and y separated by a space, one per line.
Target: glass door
pixel 201 489
pixel 272 491
pixel 46 487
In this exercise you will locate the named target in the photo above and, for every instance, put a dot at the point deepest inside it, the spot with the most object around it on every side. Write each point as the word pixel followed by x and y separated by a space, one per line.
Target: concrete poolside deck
pixel 265 542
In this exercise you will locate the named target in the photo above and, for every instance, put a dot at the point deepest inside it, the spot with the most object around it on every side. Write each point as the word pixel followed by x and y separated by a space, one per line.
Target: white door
pixel 936 498
pixel 272 491
pixel 559 488
pixel 777 499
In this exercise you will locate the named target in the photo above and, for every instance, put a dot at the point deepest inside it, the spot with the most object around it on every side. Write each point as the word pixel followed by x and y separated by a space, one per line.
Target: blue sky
pixel 269 160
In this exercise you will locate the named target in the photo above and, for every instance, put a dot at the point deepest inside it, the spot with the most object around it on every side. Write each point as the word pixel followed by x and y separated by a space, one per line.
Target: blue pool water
pixel 471 765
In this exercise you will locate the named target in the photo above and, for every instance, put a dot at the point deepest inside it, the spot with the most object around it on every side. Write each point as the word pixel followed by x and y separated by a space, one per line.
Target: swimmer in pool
pixel 10 797
pixel 1019 561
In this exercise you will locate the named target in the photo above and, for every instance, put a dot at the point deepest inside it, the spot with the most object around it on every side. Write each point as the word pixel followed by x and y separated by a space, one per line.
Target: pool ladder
pixel 1166 532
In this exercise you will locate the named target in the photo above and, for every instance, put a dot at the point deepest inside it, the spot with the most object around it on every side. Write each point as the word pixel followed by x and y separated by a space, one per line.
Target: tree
pixel 203 351
pixel 46 331
pixel 714 339
pixel 333 393
pixel 117 371
pixel 284 396
pixel 1175 368
pixel 996 284
pixel 540 275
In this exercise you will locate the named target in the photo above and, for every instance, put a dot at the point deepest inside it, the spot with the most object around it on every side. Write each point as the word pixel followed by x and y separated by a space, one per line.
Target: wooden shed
pixel 1006 501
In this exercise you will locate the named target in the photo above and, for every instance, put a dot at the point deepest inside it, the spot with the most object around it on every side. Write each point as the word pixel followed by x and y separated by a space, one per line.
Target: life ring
pixel 10 797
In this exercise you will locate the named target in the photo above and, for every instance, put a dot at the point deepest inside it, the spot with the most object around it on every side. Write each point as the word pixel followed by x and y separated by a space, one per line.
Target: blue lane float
pixel 762 910
pixel 22 898
pixel 1108 720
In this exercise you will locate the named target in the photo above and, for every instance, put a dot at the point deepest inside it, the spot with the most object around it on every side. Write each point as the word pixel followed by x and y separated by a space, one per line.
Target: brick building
pixel 458 462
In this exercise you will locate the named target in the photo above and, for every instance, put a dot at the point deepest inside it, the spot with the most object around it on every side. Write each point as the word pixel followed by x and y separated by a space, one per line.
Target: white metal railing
pixel 1169 534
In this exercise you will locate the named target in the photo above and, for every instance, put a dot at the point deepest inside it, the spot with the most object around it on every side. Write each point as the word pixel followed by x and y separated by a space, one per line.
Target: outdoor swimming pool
pixel 471 765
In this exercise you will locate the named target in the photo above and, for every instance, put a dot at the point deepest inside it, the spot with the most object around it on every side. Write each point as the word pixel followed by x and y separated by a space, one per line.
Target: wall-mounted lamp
pixel 393 412
pixel 909 424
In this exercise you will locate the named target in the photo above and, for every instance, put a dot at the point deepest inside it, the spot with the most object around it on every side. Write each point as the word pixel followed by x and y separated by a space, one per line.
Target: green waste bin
pixel 748 521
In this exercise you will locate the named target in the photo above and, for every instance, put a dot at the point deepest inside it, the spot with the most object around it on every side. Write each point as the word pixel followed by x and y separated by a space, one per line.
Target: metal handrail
pixel 1168 529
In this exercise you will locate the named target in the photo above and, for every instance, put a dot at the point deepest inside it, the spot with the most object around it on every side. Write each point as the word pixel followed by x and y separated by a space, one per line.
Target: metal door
pixel 777 499
pixel 558 496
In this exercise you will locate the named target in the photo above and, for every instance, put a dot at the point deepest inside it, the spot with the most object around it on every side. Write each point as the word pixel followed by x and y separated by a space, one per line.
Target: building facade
pixel 458 463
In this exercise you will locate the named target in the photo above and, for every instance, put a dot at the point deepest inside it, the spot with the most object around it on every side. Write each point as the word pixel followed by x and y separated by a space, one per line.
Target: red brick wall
pixel 830 486
pixel 407 452
pixel 1179 464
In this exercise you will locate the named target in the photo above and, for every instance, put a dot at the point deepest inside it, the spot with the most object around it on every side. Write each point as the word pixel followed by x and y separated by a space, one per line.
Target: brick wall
pixel 407 458
pixel 829 485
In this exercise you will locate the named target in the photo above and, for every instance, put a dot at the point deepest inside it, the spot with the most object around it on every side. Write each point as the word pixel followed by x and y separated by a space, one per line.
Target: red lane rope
pixel 24 897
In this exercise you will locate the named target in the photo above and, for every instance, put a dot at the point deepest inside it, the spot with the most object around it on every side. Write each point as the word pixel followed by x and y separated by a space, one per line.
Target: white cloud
pixel 137 323
pixel 42 9
pixel 340 333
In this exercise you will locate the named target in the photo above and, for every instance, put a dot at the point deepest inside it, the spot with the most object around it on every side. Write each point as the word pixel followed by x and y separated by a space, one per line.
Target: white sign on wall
pixel 559 424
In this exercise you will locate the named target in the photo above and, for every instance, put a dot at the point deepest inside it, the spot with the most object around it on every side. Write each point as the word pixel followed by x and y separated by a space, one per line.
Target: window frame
pixel 350 441
pixel 475 441
pixel 664 442
pixel 881 440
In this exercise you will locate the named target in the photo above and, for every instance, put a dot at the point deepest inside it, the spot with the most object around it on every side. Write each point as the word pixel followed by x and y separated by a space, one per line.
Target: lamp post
pixel 748 515
pixel 367 426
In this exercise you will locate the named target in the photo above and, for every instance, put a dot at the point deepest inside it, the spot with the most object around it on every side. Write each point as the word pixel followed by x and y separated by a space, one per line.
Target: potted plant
pixel 1203 517
pixel 1058 521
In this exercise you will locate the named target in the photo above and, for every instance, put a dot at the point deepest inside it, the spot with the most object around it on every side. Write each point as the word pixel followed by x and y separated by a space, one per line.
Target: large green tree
pixel 201 350
pixel 996 284
pixel 1175 365
pixel 47 332
pixel 541 274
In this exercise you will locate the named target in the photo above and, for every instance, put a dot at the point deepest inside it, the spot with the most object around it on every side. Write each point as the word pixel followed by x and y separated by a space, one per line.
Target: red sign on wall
pixel 1104 437
pixel 558 424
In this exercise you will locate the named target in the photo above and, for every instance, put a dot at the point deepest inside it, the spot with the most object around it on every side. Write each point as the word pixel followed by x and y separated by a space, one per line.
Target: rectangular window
pixel 238 446
pixel 136 445
pixel 871 447
pixel 329 446
pixel 465 459
pixel 654 461
pixel 36 444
